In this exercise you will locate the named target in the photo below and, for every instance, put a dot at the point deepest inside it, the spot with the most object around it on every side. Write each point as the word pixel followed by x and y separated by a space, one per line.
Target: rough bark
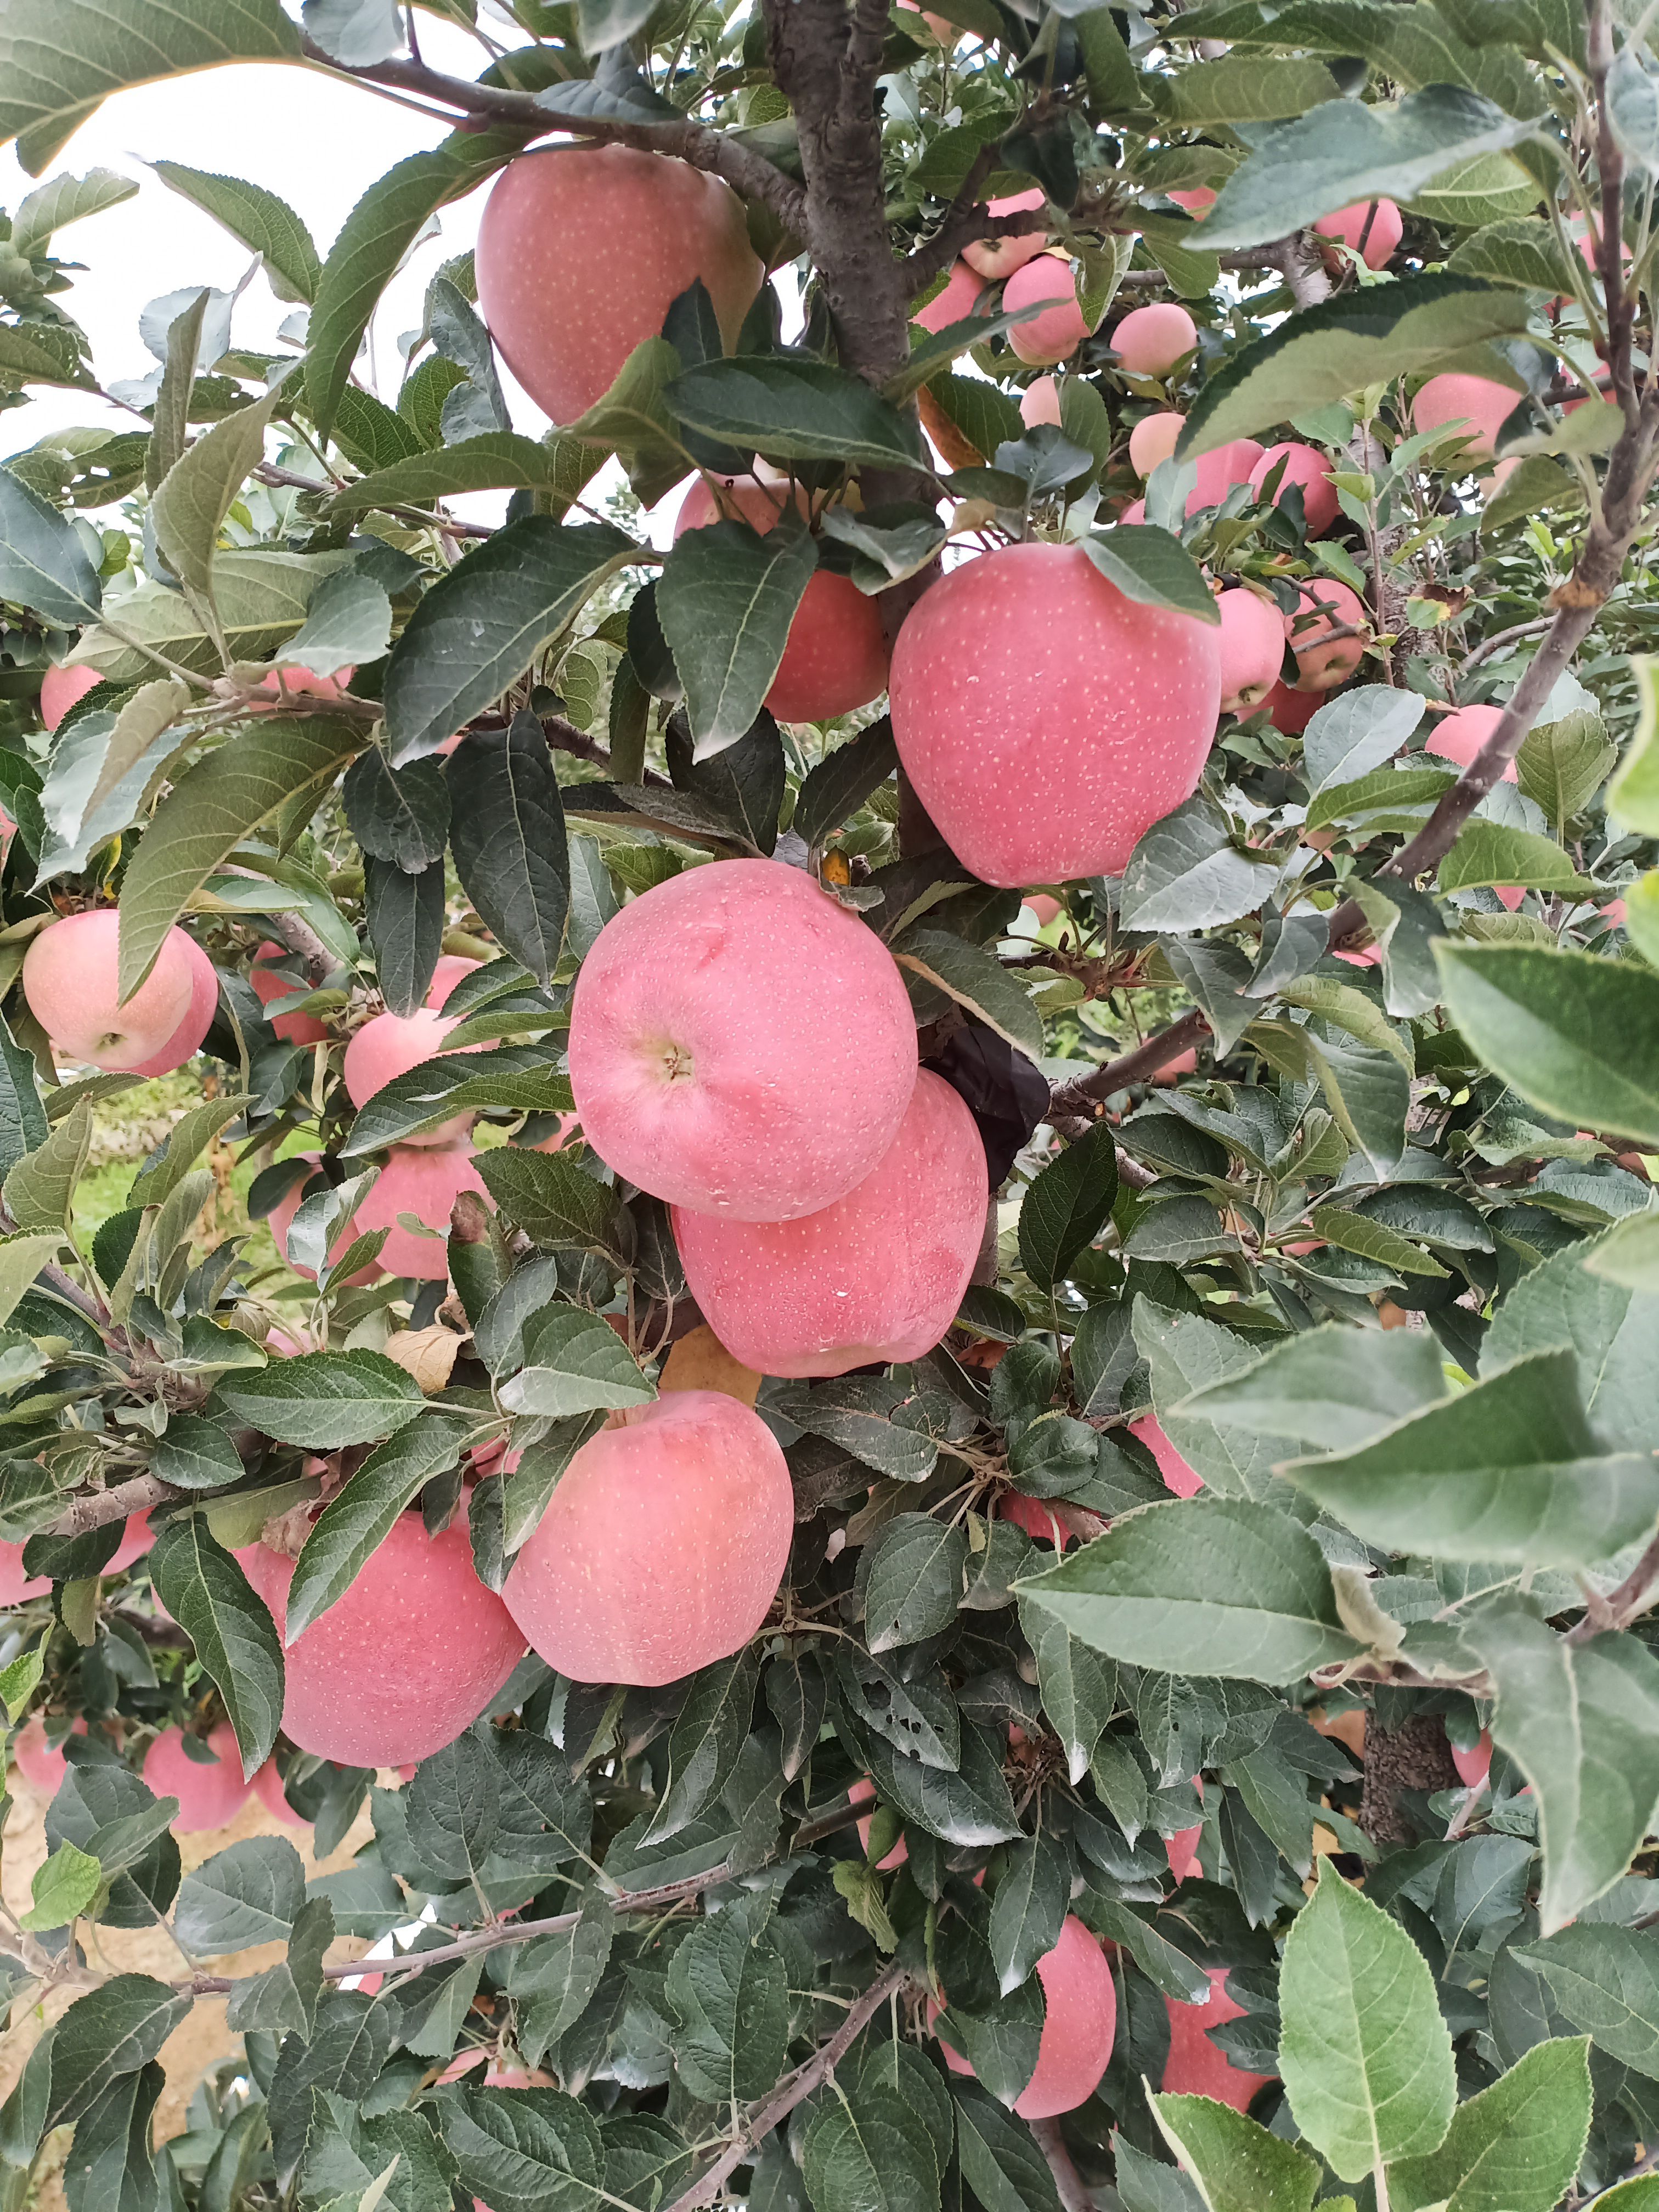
pixel 1415 1756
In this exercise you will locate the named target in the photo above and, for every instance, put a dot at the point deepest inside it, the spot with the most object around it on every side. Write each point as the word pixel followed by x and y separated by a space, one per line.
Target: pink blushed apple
pixel 1045 720
pixel 388 1046
pixel 1185 1481
pixel 209 1794
pixel 1252 647
pixel 1154 440
pixel 268 987
pixel 955 303
pixel 1459 737
pixel 1306 466
pixel 699 1029
pixel 1078 2029
pixel 1378 223
pixel 877 1276
pixel 1150 341
pixel 1194 2066
pixel 1324 659
pixel 70 979
pixel 1059 328
pixel 187 1040
pixel 1474 405
pixel 1040 402
pixel 663 1546
pixel 996 258
pixel 64 688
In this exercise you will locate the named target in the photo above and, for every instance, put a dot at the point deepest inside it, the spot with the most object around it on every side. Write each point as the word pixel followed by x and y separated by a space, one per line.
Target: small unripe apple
pixel 698 1027
pixel 60 689
pixel 410 1656
pixel 1045 720
pixel 663 1546
pixel 1048 338
pixel 1252 647
pixel 1459 737
pixel 1040 402
pixel 955 303
pixel 209 1797
pixel 1304 466
pixel 1154 440
pixel 187 1040
pixel 877 1276
pixel 1323 661
pixel 1150 341
pixel 1195 2068
pixel 69 975
pixel 293 1029
pixel 41 1765
pixel 1185 1481
pixel 1078 2031
pixel 1477 405
pixel 1379 223
pixel 996 258
pixel 835 658
pixel 582 250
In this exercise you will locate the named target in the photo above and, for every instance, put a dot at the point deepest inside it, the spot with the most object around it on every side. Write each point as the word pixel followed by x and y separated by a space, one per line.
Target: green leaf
pixel 705 1741
pixel 1575 1034
pixel 1340 152
pixel 1184 1351
pixel 1153 568
pixel 194 497
pixel 1633 794
pixel 1365 2054
pixel 1347 342
pixel 496 460
pixel 554 1203
pixel 1077 1693
pixel 41 353
pixel 209 812
pixel 1388 798
pixel 39 1191
pixel 1615 1334
pixel 977 980
pixel 912 1578
pixel 793 410
pixel 728 1985
pixel 400 816
pixel 633 421
pixel 1606 1980
pixel 64 1885
pixel 1205 1586
pixel 1000 2162
pixel 517 1077
pixel 726 600
pixel 1065 1208
pixel 360 1518
pixel 109 2032
pixel 507 835
pixel 1582 1723
pixel 373 240
pixel 323 1401
pixel 204 1589
pixel 1029 1909
pixel 264 223
pixel 1372 1240
pixel 869 2152
pixel 52 207
pixel 479 628
pixel 19 1680
pixel 1512 2147
pixel 261 597
pixel 184 1145
pixel 43 565
pixel 250 1894
pixel 455 1809
pixel 1561 765
pixel 1507 1470
pixel 347 624
pixel 534 2150
pixel 1240 88
pixel 1187 874
pixel 1349 736
pixel 58 59
pixel 1239 2166
pixel 573 1362
pixel 1332 1386
pixel 1488 853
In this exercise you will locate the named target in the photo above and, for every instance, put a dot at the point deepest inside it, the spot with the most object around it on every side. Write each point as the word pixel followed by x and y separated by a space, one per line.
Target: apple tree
pixel 896 1365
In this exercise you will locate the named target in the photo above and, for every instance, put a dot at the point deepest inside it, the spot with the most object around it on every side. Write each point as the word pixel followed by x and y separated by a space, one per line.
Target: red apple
pixel 293 1029
pixel 1379 223
pixel 15 1587
pixel 955 303
pixel 877 1276
pixel 1290 711
pixel 1194 2066
pixel 448 972
pixel 70 981
pixel 1185 1481
pixel 835 658
pixel 698 1030
pixel 996 258
pixel 388 1046
pixel 1037 1516
pixel 1078 2032
pixel 1040 402
pixel 410 1656
pixel 1045 720
pixel 1323 661
pixel 187 1040
pixel 268 1789
pixel 1216 473
pixel 1459 737
pixel 663 1546
pixel 135 1539
pixel 209 1797
pixel 1197 199
pixel 1304 466
pixel 1252 647
pixel 1474 1766
pixel 1150 341
pixel 1475 404
pixel 861 1794
pixel 1154 440
pixel 60 687
pixel 1045 281
pixel 1044 909
pixel 41 1765
pixel 424 1181
pixel 580 253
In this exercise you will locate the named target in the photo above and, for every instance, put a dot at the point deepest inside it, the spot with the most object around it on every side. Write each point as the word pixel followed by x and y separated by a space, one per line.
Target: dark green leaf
pixel 323 1399
pixel 509 838
pixel 204 1589
pixel 792 409
pixel 726 600
pixel 1063 1211
pixel 360 1518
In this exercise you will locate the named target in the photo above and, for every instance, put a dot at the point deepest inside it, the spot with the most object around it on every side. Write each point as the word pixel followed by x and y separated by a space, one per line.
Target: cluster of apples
pixel 211 1792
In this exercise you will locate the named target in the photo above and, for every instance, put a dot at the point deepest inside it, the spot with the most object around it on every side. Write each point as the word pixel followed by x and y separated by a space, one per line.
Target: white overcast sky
pixel 318 143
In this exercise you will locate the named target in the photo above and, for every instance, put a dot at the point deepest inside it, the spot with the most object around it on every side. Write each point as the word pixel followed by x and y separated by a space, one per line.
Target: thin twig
pixel 1084 1093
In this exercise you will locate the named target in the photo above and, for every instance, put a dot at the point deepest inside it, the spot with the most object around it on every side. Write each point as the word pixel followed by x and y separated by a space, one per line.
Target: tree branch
pixel 105 1505
pixel 1069 2184
pixel 1623 1605
pixel 806 2077
pixel 1084 1093
pixel 714 151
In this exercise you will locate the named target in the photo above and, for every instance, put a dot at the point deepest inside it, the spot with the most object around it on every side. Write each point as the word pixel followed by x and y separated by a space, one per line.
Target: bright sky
pixel 316 142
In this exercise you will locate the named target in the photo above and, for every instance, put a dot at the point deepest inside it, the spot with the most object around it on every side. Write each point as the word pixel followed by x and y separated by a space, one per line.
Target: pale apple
pixel 663 1546
pixel 861 1794
pixel 996 258
pixel 1154 440
pixel 17 1588
pixel 1040 402
pixel 1306 466
pixel 1048 338
pixel 1150 341
pixel 41 1764
pixel 1252 649
pixel 70 979
pixel 1379 223
pixel 388 1046
pixel 1323 661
